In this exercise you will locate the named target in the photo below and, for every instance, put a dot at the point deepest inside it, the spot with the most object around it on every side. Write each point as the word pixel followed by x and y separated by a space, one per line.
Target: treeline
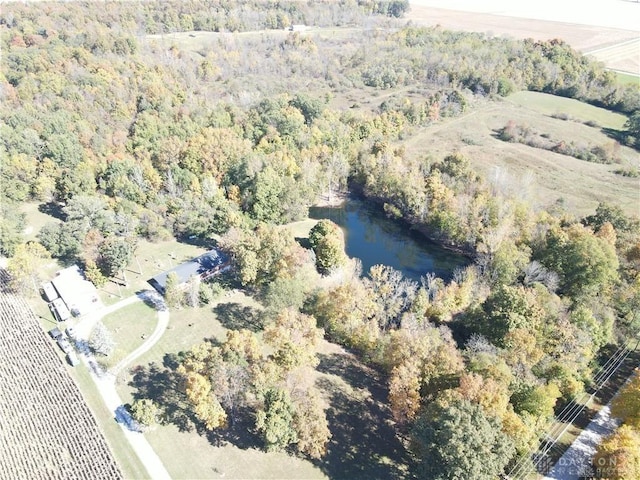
pixel 618 456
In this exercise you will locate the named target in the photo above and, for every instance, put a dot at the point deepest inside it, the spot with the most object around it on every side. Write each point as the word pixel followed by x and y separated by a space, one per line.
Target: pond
pixel 376 239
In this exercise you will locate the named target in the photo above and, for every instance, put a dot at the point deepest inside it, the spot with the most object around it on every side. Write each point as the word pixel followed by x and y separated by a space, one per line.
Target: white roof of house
pixel 80 295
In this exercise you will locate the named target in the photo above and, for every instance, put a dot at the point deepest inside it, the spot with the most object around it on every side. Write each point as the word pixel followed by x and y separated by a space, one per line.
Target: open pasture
pixel 579 111
pixel 542 177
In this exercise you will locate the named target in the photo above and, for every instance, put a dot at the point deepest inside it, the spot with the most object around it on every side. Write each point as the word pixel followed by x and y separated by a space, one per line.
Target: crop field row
pixel 623 56
pixel 47 430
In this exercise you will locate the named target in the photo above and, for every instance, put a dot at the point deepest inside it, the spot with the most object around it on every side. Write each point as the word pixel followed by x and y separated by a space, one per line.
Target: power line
pixel 562 421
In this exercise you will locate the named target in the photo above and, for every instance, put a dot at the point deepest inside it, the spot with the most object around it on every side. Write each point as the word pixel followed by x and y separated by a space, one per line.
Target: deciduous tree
pixel 618 456
pixel 327 241
pixel 25 265
pixel 294 337
pixel 460 441
pixel 310 422
pixel 115 254
pixel 173 294
pixel 101 340
pixel 626 405
pixel 145 412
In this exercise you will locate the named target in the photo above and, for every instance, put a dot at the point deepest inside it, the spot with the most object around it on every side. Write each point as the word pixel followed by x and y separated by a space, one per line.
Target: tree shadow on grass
pixel 364 442
pixel 240 431
pixel 235 316
pixel 619 135
pixel 162 385
pixel 52 209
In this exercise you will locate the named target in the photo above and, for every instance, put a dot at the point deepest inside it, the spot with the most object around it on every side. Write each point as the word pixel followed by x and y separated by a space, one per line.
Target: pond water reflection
pixel 374 239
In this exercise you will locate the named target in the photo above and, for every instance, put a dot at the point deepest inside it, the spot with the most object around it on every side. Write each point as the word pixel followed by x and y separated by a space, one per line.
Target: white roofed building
pixel 80 295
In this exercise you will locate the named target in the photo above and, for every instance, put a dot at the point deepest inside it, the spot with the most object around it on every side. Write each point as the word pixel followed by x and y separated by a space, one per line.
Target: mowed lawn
pixel 149 259
pixel 541 177
pixel 129 326
pixel 189 455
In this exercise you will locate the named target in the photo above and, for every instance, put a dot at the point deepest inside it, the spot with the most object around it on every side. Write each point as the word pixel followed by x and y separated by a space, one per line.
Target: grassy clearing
pixel 130 326
pixel 224 461
pixel 196 41
pixel 35 220
pixel 582 112
pixel 542 178
pixel 190 326
pixel 627 78
pixel 301 228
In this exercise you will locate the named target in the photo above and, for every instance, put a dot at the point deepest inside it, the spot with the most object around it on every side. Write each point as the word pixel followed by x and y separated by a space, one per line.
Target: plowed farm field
pixel 47 431
pixel 606 29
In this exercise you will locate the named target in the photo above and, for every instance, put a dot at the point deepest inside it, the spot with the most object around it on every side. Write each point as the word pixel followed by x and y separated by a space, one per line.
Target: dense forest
pixel 126 125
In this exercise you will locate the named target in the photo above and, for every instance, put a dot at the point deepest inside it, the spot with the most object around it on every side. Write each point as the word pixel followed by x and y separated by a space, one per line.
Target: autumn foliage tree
pixel 618 456
pixel 626 405
pixel 24 267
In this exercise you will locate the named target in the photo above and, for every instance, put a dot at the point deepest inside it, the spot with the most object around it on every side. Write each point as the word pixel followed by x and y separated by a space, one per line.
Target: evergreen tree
pixel 327 242
pixel 276 421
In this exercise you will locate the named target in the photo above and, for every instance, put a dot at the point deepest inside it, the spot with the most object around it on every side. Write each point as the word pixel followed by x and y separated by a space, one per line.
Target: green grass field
pixel 553 105
pixel 627 78
pixel 541 177
pixel 35 220
pixel 301 228
pixel 129 326
pixel 188 455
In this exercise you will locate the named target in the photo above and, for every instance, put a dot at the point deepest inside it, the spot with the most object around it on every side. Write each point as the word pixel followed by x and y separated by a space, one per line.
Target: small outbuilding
pixel 205 266
pixel 49 292
pixel 59 310
pixel 72 358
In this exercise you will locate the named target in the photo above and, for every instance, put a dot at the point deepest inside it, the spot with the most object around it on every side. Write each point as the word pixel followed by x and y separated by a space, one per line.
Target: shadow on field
pixel 52 209
pixel 240 431
pixel 364 444
pixel 161 383
pixel 235 316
